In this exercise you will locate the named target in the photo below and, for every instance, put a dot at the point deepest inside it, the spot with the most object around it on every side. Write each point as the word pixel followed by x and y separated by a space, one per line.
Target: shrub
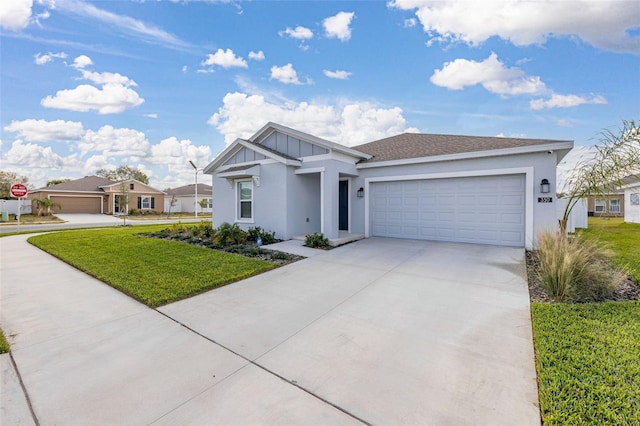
pixel 278 255
pixel 230 234
pixel 177 229
pixel 574 269
pixel 316 240
pixel 254 233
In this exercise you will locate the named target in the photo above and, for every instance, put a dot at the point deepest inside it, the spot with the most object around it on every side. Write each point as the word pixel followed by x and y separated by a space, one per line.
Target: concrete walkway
pixel 380 331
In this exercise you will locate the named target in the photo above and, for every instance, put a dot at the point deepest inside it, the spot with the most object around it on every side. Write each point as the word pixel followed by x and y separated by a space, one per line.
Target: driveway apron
pixel 391 331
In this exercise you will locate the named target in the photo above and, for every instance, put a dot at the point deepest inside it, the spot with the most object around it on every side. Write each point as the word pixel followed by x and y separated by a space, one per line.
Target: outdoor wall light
pixel 360 193
pixel 544 186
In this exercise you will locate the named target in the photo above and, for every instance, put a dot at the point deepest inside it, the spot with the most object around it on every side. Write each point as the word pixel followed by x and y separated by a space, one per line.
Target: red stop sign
pixel 19 190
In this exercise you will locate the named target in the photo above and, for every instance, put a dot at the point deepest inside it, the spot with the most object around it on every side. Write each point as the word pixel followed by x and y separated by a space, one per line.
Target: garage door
pixel 77 204
pixel 483 210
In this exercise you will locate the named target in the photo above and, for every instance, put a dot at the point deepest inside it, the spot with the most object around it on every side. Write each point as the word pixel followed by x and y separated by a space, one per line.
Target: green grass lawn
pixel 588 360
pixel 622 238
pixel 588 355
pixel 153 271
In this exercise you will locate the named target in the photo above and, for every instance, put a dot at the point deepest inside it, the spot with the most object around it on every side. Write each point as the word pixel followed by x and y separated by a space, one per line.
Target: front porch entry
pixel 343 205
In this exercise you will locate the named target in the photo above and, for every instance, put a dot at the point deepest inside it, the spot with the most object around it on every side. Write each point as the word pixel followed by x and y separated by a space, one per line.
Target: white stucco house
pixel 485 190
pixel 632 203
pixel 185 199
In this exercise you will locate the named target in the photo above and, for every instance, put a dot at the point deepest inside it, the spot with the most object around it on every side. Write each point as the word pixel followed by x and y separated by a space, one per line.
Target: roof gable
pixel 417 145
pixel 138 186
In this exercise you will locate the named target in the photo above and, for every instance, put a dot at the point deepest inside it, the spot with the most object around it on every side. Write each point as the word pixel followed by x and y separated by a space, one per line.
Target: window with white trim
pixel 209 202
pixel 635 199
pixel 244 195
pixel 600 205
pixel 145 202
pixel 614 205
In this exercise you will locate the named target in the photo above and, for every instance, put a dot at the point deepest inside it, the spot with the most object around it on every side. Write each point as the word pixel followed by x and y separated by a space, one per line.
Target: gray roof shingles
pixel 87 183
pixel 203 190
pixel 417 145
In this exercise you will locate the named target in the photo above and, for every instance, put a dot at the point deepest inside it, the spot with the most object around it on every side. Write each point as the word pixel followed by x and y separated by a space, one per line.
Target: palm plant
pixel 44 206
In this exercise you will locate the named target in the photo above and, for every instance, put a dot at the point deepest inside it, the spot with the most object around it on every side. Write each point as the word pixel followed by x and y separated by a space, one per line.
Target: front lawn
pixel 588 361
pixel 622 238
pixel 153 271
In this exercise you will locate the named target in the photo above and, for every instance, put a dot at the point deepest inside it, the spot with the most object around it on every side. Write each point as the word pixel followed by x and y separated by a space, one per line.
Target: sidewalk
pixel 88 354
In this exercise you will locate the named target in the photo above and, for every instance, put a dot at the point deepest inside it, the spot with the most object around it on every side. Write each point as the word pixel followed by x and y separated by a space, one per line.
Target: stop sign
pixel 19 190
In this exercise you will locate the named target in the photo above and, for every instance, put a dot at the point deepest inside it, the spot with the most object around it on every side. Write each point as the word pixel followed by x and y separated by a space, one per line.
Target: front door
pixel 343 205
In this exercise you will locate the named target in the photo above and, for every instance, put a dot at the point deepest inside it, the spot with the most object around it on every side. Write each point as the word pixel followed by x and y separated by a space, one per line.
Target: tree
pixel 617 156
pixel 44 206
pixel 204 203
pixel 123 173
pixel 56 181
pixel 7 179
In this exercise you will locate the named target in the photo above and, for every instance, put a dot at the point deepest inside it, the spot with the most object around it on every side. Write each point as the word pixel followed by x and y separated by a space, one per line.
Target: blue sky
pixel 86 85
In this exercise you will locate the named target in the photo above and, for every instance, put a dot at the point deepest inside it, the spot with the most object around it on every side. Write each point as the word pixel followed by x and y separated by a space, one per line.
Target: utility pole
pixel 195 205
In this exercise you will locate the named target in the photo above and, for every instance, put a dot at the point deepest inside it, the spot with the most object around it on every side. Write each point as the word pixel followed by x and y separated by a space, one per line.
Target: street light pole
pixel 195 205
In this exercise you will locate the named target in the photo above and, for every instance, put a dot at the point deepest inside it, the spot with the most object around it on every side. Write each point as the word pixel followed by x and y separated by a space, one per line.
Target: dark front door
pixel 343 205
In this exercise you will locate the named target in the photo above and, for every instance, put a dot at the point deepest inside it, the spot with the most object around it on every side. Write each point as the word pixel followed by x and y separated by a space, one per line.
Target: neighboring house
pixel 632 203
pixel 606 205
pixel 485 190
pixel 94 194
pixel 184 198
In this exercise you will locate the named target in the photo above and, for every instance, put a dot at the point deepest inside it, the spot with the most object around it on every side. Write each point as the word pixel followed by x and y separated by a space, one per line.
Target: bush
pixel 316 240
pixel 574 269
pixel 254 233
pixel 278 255
pixel 230 234
pixel 177 229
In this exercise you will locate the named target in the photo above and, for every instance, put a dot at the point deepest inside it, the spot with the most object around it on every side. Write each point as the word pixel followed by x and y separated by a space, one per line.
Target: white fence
pixel 12 206
pixel 578 217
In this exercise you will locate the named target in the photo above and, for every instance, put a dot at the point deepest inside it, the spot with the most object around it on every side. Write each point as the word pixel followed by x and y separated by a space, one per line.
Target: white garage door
pixel 483 210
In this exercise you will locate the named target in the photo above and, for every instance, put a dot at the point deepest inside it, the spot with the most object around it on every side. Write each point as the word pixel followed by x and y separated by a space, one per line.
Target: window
pixel 131 186
pixel 635 199
pixel 600 205
pixel 245 200
pixel 614 206
pixel 209 203
pixel 146 203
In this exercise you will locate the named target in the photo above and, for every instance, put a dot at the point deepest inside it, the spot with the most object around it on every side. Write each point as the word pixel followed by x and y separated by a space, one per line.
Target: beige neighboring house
pixel 94 194
pixel 606 205
pixel 184 198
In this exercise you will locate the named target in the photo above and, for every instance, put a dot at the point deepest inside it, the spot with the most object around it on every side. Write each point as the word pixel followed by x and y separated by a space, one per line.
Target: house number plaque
pixel 545 199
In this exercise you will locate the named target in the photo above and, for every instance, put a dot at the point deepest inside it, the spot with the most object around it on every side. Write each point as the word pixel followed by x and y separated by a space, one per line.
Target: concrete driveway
pixel 380 331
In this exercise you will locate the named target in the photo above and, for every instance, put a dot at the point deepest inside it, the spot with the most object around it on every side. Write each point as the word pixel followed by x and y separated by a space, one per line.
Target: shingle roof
pixel 203 189
pixel 417 145
pixel 87 183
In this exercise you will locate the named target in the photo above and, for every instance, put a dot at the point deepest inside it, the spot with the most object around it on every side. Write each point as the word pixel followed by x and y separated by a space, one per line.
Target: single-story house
pixel 94 194
pixel 632 202
pixel 606 205
pixel 486 190
pixel 184 198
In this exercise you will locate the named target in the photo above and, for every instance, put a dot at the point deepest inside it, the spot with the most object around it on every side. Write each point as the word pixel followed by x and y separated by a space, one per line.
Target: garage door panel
pixel 70 204
pixel 486 209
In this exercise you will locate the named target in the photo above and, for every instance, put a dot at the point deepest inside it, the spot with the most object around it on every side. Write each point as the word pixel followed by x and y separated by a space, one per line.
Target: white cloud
pixel 225 59
pixel 171 151
pixel 337 74
pixel 118 142
pixel 604 24
pixel 490 73
pixel 43 131
pixel 154 115
pixel 185 68
pixel 299 33
pixel 40 59
pixel 257 56
pixel 350 124
pixel 564 123
pixel 82 61
pixel 110 99
pixel 338 26
pixel 125 24
pixel 15 14
pixel 285 74
pixel 565 101
pixel 410 23
pixel 34 155
pixel 107 78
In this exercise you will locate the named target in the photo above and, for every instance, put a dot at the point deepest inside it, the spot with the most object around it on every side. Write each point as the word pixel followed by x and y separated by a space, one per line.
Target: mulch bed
pixel 629 290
